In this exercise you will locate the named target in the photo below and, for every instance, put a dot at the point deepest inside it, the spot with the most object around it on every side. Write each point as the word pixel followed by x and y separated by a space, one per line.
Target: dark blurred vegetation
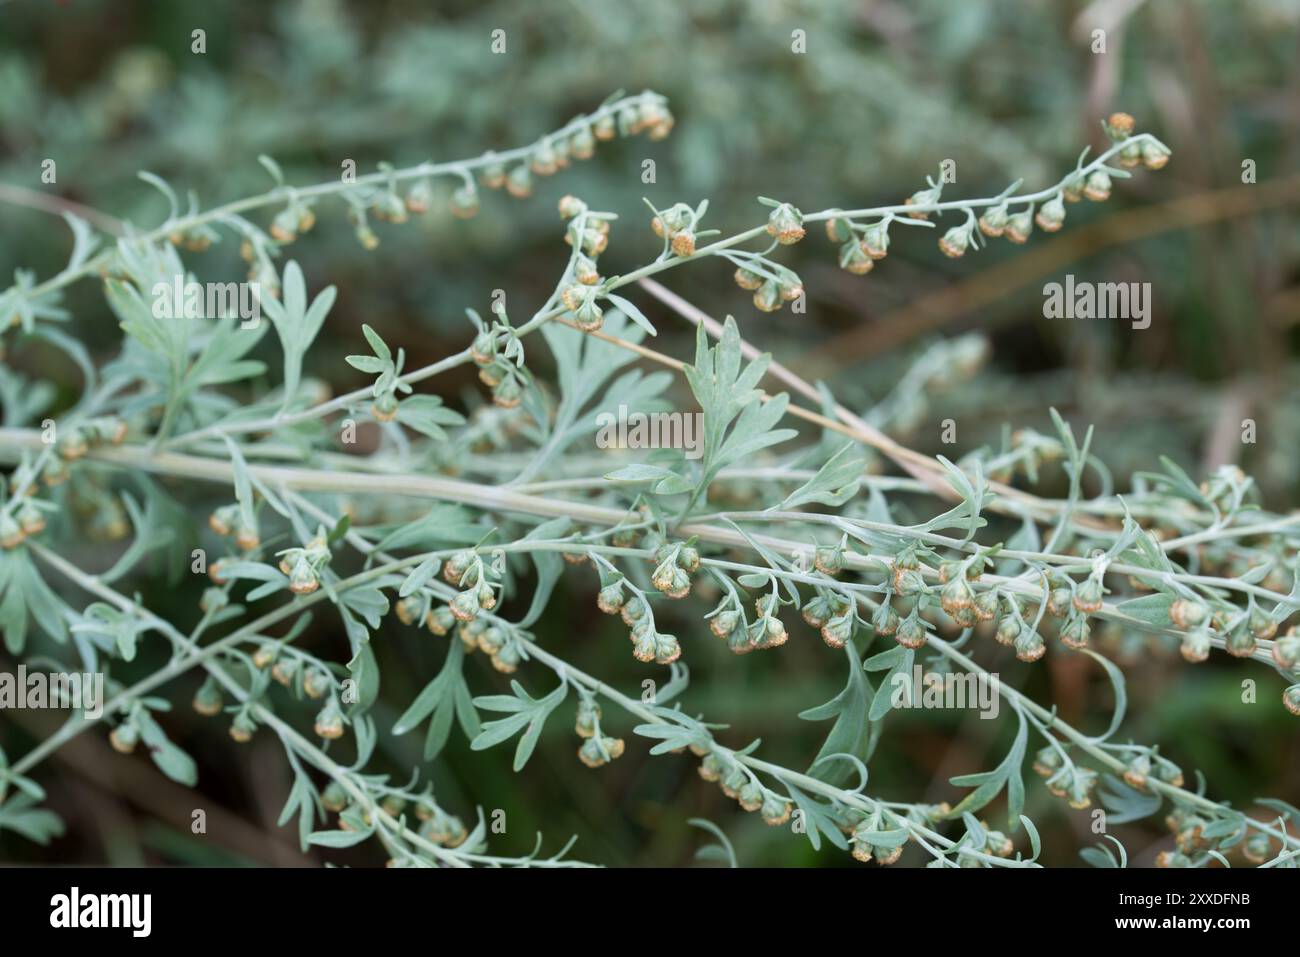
pixel 885 92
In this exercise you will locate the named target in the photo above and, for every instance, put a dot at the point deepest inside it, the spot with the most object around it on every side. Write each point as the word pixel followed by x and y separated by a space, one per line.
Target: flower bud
pixel 1088 596
pixel 994 221
pixel 774 811
pixel 384 408
pixel 1241 642
pixel 1097 186
pixel 1286 650
pixel 519 182
pixel 315 683
pixel 922 197
pixel 785 224
pixel 1291 699
pixel 837 630
pixel 747 279
pixel 1048 761
pixel 954 242
pixel 610 598
pixel 124 737
pixel 507 659
pixel 724 623
pixel 1137 771
pixel 750 796
pixel 957 596
pixel 1119 126
pixel 246 537
pixel 1051 215
pixel 768 296
pixel 884 620
pixel 508 393
pixel 1075 631
pixel 284 670
pixel 1130 156
pixel 854 258
pixel 667 649
pixel 733 781
pixel 875 241
pixel 242 728
pixel 1019 227
pixel 1154 156
pixel 1262 626
pixel 582 145
pixel 1029 645
pixel 303 579
pixel 911 632
pixel 464 202
pixel 465 606
pixel 440 620
pixel 683 243
pixel 588 717
pixel 644 646
pixel 1195 646
pixel 986 605
pixel 1257 848
pixel 329 722
pixel 817 610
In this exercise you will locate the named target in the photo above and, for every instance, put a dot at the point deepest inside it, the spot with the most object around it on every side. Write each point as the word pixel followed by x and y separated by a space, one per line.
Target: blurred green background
pixel 885 91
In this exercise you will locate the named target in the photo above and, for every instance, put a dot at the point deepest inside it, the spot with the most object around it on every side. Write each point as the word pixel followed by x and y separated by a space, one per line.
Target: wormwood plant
pixel 460 523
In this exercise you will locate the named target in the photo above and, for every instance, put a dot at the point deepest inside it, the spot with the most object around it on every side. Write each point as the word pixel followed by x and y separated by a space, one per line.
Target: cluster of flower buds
pixel 495 370
pixel 998 220
pixel 772 285
pixel 478 634
pixel 583 308
pixel 1188 828
pixel 858 254
pixel 1020 634
pixel 959 601
pixel 678 226
pixel 597 749
pixel 741 786
pixel 467 572
pixel 196 238
pixel 290 222
pixel 905 572
pixel 304 565
pixel 832 614
pixel 1145 765
pixel 872 838
pixel 1064 778
pixel 648 644
pixel 1119 127
pixel 439 827
pixel 76 441
pixel 228 520
pixel 675 565
pixel 589 234
pixel 20 520
pixel 648 113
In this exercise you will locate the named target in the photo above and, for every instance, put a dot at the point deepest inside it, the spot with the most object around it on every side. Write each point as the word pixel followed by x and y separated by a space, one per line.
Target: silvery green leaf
pixel 835 482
